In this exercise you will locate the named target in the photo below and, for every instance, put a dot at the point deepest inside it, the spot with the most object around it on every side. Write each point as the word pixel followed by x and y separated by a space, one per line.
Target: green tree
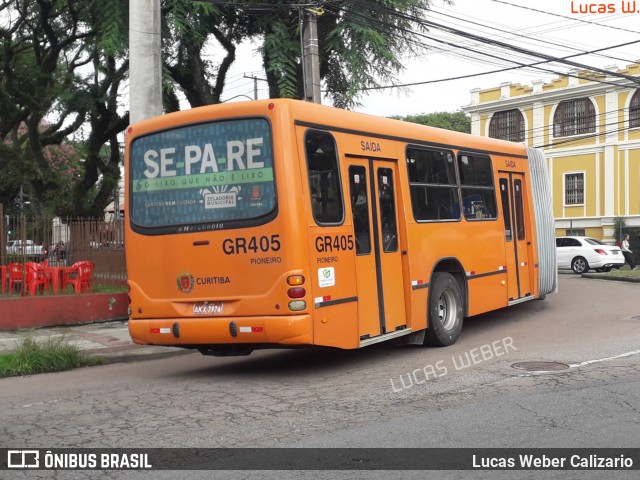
pixel 457 121
pixel 360 43
pixel 189 29
pixel 62 64
pixel 32 87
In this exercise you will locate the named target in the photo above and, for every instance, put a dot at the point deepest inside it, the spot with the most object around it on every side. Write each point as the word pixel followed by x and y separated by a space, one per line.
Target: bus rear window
pixel 203 177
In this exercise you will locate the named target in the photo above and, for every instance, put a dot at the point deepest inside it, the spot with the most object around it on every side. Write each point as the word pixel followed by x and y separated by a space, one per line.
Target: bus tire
pixel 446 311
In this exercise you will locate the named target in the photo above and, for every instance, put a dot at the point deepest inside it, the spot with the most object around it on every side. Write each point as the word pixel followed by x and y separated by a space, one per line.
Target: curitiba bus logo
pixel 185 282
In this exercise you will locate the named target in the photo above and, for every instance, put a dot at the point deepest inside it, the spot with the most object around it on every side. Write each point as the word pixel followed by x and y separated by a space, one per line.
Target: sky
pixel 554 27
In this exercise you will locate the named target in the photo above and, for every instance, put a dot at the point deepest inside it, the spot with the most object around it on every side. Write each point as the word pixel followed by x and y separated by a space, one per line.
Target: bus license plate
pixel 207 308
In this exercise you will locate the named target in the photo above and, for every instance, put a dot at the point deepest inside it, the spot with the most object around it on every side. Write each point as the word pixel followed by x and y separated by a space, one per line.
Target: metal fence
pixel 64 241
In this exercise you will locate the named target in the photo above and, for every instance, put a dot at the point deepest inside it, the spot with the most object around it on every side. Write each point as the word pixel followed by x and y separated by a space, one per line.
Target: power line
pixel 507 46
pixel 576 19
pixel 559 141
pixel 512 33
pixel 518 64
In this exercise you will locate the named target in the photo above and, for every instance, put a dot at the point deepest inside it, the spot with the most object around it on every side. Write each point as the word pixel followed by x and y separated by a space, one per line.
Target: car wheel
pixel 599 270
pixel 445 312
pixel 606 269
pixel 579 265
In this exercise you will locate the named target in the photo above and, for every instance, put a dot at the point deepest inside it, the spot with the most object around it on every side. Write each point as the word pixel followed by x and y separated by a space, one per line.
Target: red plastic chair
pixel 35 277
pixel 16 276
pixel 79 275
pixel 71 273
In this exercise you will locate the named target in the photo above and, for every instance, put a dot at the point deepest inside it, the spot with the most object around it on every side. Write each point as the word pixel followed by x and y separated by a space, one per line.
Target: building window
pixel 575 232
pixel 574 117
pixel 634 110
pixel 574 189
pixel 507 125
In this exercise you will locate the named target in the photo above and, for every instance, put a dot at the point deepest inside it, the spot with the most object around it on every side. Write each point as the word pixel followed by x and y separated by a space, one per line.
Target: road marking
pixel 39 403
pixel 606 359
pixel 577 365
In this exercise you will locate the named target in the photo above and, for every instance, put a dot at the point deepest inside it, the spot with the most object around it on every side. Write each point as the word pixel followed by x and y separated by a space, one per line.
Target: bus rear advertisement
pixel 281 223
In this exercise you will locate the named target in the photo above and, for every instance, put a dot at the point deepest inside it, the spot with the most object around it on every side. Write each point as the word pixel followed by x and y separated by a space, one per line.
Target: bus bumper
pixel 193 332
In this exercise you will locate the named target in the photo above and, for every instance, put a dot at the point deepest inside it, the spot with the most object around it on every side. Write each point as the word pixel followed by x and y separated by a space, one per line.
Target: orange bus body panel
pixel 220 285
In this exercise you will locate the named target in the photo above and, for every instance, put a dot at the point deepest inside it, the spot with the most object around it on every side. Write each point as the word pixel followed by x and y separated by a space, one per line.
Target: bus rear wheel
pixel 446 311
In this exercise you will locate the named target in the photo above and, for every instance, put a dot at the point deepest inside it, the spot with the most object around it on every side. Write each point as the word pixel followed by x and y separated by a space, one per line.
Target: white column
pixel 538 124
pixel 609 181
pixel 611 140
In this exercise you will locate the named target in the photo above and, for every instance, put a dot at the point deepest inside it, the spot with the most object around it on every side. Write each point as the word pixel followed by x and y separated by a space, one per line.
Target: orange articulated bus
pixel 281 223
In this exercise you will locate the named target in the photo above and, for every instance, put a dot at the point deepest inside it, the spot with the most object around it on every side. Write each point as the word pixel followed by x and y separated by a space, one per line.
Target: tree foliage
pixel 457 121
pixel 64 68
pixel 61 67
pixel 360 45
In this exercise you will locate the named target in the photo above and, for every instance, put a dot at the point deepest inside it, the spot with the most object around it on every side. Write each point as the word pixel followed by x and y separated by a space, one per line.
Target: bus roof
pixel 334 119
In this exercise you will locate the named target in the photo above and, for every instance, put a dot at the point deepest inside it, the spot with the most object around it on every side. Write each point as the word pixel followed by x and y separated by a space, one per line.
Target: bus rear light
pixel 297 292
pixel 271 106
pixel 295 280
pixel 297 305
pixel 600 251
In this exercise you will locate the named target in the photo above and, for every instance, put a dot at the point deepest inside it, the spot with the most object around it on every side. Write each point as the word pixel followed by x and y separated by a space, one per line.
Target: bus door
pixel 517 235
pixel 378 263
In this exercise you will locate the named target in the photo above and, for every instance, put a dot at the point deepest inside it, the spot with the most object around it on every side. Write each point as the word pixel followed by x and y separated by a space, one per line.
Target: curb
pixel 599 276
pixel 135 353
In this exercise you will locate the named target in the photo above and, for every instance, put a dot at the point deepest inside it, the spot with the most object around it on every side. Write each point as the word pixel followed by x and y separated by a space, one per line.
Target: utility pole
pixel 145 69
pixel 255 84
pixel 310 55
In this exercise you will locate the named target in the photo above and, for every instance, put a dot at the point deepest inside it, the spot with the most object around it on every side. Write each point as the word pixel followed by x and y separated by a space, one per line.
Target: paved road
pixel 467 395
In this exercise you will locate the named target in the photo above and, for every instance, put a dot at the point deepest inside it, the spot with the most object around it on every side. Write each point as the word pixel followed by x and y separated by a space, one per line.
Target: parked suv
pixel 582 253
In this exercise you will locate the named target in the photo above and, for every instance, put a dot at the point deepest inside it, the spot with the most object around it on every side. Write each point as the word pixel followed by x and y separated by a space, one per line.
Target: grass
pixel 52 355
pixel 109 288
pixel 625 272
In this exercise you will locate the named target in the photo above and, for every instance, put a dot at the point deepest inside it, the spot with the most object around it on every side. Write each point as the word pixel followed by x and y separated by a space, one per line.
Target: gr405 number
pixel 328 243
pixel 264 244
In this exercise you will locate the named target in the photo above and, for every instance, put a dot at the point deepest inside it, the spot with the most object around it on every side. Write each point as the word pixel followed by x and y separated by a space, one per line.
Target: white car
pixel 23 247
pixel 582 253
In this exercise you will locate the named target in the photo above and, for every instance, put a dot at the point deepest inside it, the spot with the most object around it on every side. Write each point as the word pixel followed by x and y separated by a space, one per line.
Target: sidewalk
pixel 108 340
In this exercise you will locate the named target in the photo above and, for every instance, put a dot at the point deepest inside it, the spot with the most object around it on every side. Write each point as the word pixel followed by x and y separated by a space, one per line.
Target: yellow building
pixel 589 128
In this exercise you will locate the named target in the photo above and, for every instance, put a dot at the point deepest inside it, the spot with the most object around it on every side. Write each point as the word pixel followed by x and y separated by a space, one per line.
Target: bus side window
pixel 360 209
pixel 433 185
pixel 476 186
pixel 324 178
pixel 517 193
pixel 506 208
pixel 386 198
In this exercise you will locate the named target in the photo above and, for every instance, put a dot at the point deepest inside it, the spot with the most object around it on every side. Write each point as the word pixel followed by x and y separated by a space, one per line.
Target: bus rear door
pixel 379 274
pixel 517 235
